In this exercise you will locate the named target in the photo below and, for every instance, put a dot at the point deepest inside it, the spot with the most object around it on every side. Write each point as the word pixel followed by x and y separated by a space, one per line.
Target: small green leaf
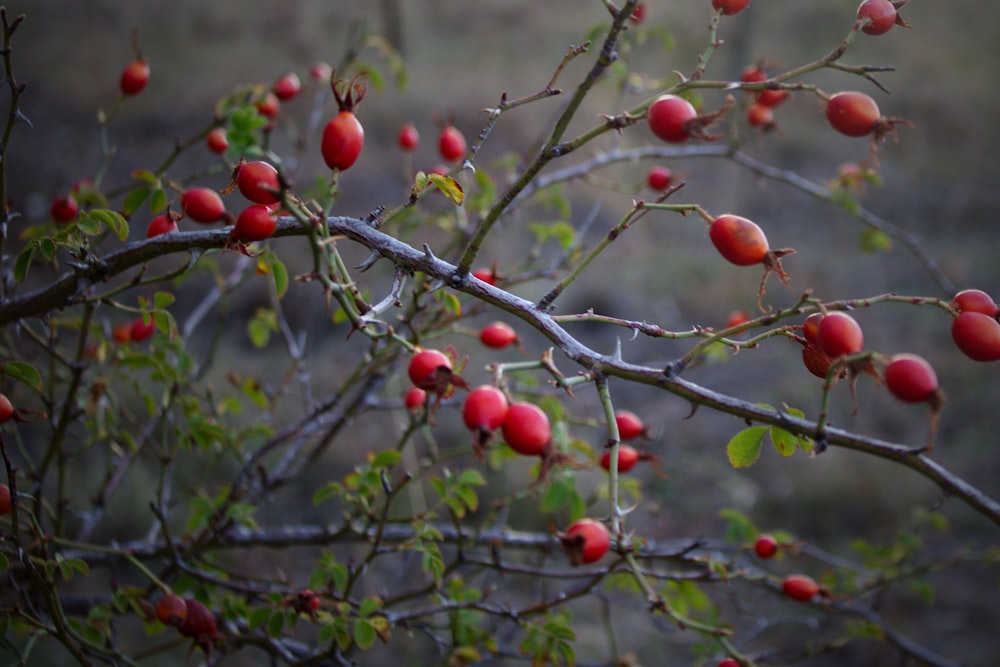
pixel 785 443
pixel 562 232
pixel 23 372
pixel 145 176
pixel 113 220
pixel 23 262
pixel 470 477
pixel 276 624
pixel 163 299
pixel 369 606
pixel 134 200
pixel 875 240
pixel 260 327
pixel 158 201
pixel 364 634
pixel 744 448
pixel 385 459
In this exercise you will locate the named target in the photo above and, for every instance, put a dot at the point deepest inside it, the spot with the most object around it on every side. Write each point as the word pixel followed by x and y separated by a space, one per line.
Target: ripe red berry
pixel 255 223
pixel 5 500
pixel 759 115
pixel 134 77
pixel 343 138
pixel 451 143
pixel 728 662
pixel 64 209
pixel 414 398
pixel 258 182
pixel 739 240
pixel 200 625
pixel 6 409
pixel 910 378
pixel 526 429
pixel 408 137
pixel 203 205
pixel 765 547
pixel 852 113
pixel 287 87
pixel 730 7
pixel 320 71
pixel 497 335
pixel 669 118
pixel 975 300
pixel 586 541
pixel 216 140
pixel 140 330
pixel 628 456
pixel 772 98
pixel 977 336
pixel 839 334
pixel 484 408
pixel 122 333
pixel 161 224
pixel 880 16
pixel 172 610
pixel 486 275
pixel 269 105
pixel 638 14
pixel 816 360
pixel 629 425
pixel 430 370
pixel 753 74
pixel 658 178
pixel 810 328
pixel 800 587
pixel 736 318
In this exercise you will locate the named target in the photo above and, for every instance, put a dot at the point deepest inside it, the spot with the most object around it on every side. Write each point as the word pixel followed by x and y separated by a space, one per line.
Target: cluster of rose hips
pixel 191 618
pixel 451 144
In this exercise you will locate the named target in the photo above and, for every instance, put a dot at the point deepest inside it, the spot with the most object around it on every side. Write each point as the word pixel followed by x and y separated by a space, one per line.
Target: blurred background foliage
pixel 939 183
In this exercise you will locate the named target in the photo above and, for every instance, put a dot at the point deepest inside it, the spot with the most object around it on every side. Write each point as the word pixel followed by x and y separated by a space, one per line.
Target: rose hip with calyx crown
pixel 586 541
pixel 728 662
pixel 343 135
pixel 672 119
pixel 911 379
pixel 857 115
pixel 743 243
pixel 268 105
pixel 200 625
pixel 414 398
pixel 484 411
pixel 171 609
pixel 876 17
pixel 140 329
pixel 161 224
pixel 431 370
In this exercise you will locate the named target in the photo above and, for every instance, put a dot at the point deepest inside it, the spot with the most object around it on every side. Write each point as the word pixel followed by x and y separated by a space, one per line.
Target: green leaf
pixel 145 176
pixel 470 477
pixel 369 606
pixel 386 459
pixel 785 443
pixel 257 617
pixel 364 634
pixel 744 448
pixel 875 240
pixel 133 200
pixel 276 624
pixel 23 372
pixel 260 327
pixel 158 202
pixel 113 220
pixel 449 187
pixel 562 232
pixel 23 262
